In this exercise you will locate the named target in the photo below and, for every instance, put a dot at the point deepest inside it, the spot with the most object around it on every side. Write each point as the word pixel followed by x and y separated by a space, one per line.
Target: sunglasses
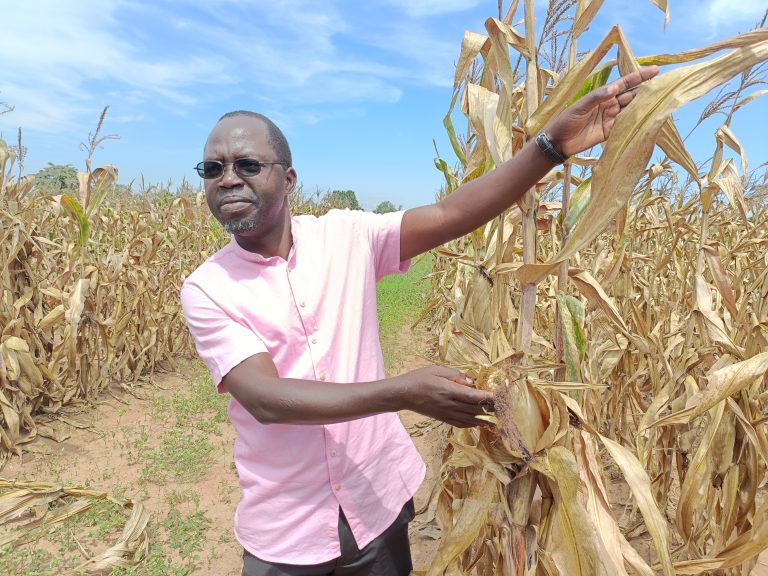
pixel 243 167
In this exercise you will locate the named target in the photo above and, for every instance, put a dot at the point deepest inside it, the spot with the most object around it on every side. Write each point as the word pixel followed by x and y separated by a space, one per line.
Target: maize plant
pixel 623 327
pixel 88 293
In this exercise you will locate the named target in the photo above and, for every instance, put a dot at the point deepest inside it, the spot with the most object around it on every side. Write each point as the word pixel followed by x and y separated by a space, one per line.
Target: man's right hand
pixel 443 393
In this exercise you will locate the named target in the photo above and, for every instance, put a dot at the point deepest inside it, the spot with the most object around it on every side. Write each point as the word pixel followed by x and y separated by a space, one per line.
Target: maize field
pixel 89 293
pixel 619 313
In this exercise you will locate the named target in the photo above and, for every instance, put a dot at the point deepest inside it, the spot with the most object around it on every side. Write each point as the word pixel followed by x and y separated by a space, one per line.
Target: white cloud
pixel 300 52
pixel 61 49
pixel 725 14
pixel 430 58
pixel 68 60
pixel 36 110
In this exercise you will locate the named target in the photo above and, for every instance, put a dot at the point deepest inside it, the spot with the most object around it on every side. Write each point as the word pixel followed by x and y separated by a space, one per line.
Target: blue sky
pixel 360 88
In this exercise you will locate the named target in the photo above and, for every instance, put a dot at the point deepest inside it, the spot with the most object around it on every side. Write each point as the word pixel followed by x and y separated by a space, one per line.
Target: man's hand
pixel 589 120
pixel 436 391
pixel 444 394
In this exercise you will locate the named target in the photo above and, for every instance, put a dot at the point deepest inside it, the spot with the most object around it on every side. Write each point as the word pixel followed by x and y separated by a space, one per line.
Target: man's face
pixel 249 206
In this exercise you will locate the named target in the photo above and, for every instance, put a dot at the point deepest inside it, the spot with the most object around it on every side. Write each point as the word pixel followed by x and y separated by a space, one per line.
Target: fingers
pixel 630 81
pixel 626 97
pixel 648 72
pixel 451 374
pixel 474 397
pixel 466 404
pixel 468 395
pixel 624 88
pixel 465 419
pixel 451 398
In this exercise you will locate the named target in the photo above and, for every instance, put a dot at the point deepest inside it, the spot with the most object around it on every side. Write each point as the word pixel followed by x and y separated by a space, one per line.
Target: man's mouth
pixel 234 205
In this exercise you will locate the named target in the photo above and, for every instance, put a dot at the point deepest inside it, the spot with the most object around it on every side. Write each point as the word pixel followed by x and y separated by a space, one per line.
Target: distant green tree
pixel 343 199
pixel 57 178
pixel 387 206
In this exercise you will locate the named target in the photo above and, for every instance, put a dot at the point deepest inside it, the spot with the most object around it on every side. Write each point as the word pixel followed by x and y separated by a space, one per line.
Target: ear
pixel 290 180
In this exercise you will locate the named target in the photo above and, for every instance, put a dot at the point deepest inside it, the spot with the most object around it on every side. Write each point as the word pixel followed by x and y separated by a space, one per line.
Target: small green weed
pixel 183 454
pixel 186 533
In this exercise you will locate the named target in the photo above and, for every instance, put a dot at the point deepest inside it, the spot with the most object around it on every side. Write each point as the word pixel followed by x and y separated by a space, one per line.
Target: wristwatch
pixel 546 146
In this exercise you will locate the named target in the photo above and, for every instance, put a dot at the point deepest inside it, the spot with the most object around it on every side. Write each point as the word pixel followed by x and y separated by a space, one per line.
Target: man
pixel 285 318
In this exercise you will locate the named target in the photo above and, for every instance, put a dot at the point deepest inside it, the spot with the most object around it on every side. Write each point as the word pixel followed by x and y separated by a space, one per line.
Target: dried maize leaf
pixel 569 532
pixel 672 144
pixel 598 506
pixel 465 455
pixel 721 384
pixel 640 485
pixel 467 525
pixel 713 323
pixel 747 546
pixel 730 184
pixel 740 40
pixel 695 487
pixel 753 96
pixel 662 4
pixel 125 551
pixel 721 280
pixel 481 111
pixel 100 182
pixel 12 421
pixel 591 289
pixel 586 10
pixel 632 139
pixel 758 441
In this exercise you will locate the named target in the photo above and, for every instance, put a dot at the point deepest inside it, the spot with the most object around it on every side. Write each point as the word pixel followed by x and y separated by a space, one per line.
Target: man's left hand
pixel 589 120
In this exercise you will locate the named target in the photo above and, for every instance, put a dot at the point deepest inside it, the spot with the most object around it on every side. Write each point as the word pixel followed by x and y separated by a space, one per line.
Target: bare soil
pixel 100 451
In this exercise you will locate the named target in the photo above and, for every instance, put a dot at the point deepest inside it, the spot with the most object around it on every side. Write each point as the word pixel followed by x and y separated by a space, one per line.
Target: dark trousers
pixel 387 555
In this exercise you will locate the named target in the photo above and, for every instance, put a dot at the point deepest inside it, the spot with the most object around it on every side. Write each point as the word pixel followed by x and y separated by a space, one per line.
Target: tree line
pixel 57 179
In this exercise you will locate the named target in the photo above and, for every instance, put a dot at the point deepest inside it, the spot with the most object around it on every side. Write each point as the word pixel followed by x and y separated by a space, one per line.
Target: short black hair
pixel 276 137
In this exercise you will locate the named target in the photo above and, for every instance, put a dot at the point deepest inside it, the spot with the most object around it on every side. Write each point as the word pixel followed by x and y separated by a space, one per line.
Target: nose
pixel 229 177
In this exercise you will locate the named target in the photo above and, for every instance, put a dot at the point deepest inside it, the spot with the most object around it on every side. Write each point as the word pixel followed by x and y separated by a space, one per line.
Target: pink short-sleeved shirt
pixel 315 314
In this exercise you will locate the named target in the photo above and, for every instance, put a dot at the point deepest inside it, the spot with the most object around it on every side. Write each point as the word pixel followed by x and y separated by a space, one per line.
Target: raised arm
pixel 579 127
pixel 434 391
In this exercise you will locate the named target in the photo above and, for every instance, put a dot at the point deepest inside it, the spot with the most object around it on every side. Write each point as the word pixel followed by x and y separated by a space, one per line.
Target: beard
pixel 247 222
pixel 241 225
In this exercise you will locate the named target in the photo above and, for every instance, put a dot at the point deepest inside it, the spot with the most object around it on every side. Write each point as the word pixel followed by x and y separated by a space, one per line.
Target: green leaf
pixel 578 203
pixel 448 123
pixel 76 211
pixel 576 308
pixel 572 336
pixel 595 80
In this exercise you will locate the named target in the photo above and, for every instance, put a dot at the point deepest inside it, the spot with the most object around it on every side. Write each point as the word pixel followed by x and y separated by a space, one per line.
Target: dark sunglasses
pixel 244 167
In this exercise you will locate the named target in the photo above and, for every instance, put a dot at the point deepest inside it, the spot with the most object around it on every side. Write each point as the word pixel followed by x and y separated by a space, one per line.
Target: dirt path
pixel 170 448
pixel 110 456
pixel 428 436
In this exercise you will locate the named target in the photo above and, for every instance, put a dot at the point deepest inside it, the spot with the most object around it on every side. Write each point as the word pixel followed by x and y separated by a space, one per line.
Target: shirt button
pixel 337 487
pixel 302 304
pixel 314 340
pixel 333 453
pixel 322 377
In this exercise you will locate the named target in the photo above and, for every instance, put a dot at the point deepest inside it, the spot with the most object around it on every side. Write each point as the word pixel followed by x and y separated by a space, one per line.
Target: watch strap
pixel 549 150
